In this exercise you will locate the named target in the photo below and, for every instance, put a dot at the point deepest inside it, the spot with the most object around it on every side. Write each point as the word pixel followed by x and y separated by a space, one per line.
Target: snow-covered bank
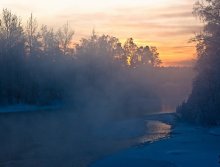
pixel 188 146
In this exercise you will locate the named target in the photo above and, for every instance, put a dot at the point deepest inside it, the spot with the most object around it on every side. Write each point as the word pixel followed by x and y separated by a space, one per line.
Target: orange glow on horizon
pixel 172 55
pixel 166 24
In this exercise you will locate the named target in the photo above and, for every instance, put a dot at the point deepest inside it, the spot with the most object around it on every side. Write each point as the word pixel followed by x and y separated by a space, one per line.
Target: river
pixel 54 139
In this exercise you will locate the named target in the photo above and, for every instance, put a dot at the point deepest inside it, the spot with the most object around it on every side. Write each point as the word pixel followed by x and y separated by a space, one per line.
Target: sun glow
pixel 166 24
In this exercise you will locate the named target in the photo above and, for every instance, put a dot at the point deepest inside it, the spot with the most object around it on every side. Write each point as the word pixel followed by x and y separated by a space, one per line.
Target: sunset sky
pixel 166 24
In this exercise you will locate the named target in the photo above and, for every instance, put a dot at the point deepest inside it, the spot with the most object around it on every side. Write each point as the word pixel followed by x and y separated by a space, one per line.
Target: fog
pixel 97 83
pixel 82 101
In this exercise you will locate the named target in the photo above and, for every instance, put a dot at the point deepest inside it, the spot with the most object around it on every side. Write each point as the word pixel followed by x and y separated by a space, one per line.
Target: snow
pixel 188 146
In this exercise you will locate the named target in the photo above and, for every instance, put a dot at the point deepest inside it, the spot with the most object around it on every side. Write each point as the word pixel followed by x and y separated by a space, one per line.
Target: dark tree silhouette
pixel 65 35
pixel 11 57
pixel 136 56
pixel 203 105
pixel 32 37
pixel 39 66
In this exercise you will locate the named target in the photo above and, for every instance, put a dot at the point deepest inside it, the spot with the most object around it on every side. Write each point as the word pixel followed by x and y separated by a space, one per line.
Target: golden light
pixel 166 24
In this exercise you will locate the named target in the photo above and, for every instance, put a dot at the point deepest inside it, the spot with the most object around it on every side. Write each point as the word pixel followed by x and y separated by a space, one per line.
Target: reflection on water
pixel 155 130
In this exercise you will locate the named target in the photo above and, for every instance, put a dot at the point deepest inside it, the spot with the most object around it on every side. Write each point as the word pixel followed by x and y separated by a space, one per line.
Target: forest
pixel 43 66
pixel 101 102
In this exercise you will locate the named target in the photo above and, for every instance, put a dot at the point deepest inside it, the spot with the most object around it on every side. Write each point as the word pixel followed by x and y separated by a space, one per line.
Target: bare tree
pixel 65 35
pixel 32 35
pixel 11 30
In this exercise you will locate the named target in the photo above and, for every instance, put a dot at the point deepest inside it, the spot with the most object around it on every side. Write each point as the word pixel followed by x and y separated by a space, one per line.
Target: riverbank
pixel 188 146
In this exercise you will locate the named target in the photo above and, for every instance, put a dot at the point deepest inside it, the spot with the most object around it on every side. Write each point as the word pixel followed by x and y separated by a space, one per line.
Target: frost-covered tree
pixel 12 52
pixel 40 66
pixel 33 44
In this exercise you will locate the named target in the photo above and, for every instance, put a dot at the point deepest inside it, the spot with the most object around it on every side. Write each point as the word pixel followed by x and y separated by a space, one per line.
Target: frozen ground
pixel 188 146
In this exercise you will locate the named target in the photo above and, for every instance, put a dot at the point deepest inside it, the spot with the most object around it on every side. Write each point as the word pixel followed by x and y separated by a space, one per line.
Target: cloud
pixel 181 14
pixel 165 28
pixel 160 21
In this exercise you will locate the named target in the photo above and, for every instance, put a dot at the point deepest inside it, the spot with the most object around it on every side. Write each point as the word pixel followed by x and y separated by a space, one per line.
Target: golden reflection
pixel 155 130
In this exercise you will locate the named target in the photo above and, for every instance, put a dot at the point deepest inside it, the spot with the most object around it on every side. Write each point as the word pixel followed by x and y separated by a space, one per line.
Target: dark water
pixel 67 139
pixel 154 130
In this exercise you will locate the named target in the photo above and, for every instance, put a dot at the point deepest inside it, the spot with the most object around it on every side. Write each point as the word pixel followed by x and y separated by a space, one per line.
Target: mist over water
pixel 70 103
pixel 104 90
pixel 79 134
pixel 57 138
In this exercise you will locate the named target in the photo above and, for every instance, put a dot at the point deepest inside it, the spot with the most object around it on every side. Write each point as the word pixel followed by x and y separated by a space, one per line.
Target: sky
pixel 166 24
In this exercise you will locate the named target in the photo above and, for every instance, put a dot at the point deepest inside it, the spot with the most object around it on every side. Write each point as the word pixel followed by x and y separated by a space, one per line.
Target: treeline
pixel 40 65
pixel 203 105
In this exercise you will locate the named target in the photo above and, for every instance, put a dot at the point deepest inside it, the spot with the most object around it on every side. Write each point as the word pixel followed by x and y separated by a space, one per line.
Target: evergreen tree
pixel 203 105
